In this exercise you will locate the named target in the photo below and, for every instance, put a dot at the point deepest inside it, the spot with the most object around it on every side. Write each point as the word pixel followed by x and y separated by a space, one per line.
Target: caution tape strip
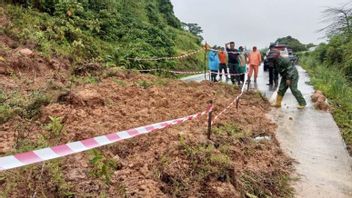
pixel 172 71
pixel 228 52
pixel 184 72
pixel 227 74
pixel 232 103
pixel 167 58
pixel 187 72
pixel 41 155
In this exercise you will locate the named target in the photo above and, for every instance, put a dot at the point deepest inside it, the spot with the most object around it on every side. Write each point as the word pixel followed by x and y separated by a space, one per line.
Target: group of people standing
pixel 233 63
pixel 236 60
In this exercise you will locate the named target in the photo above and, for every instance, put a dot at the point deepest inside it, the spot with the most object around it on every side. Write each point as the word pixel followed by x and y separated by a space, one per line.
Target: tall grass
pixel 334 84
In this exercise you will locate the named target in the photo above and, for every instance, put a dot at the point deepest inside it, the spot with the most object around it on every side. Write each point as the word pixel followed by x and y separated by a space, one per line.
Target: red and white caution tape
pixel 168 58
pixel 232 103
pixel 172 71
pixel 227 74
pixel 184 72
pixel 41 155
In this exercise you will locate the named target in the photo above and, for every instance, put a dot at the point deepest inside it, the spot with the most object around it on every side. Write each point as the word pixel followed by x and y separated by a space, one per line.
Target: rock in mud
pixel 25 52
pixel 86 97
pixel 320 101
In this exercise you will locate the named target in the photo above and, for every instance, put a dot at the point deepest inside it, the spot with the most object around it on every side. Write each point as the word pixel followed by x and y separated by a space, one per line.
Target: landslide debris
pixel 44 102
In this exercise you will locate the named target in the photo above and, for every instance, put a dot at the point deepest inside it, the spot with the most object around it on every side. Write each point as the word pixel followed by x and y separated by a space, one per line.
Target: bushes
pixel 109 31
pixel 331 80
pixel 335 54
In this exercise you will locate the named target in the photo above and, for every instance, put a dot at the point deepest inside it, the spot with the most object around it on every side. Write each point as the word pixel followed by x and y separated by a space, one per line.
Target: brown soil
pixel 320 101
pixel 166 163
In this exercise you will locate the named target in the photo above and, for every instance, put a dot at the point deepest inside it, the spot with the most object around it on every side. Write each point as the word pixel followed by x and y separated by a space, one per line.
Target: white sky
pixel 255 22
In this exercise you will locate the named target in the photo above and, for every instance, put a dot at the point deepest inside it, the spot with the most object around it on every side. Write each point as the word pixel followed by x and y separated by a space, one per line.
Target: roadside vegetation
pixel 108 32
pixel 330 66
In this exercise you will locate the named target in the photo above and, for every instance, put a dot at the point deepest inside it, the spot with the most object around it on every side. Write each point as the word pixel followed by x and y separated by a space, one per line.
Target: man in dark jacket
pixel 289 79
pixel 273 74
pixel 233 62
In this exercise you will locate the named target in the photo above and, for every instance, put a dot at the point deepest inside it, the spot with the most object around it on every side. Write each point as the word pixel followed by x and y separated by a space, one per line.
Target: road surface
pixel 313 139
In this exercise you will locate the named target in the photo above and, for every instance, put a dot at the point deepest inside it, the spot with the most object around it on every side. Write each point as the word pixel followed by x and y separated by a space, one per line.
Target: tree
pixel 167 9
pixel 339 20
pixel 292 43
pixel 195 29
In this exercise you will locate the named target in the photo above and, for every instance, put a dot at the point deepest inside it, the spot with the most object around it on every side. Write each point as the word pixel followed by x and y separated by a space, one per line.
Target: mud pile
pixel 47 105
pixel 320 101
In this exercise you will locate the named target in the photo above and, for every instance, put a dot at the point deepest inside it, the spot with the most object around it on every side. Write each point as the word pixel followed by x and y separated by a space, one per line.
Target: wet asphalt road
pixel 313 139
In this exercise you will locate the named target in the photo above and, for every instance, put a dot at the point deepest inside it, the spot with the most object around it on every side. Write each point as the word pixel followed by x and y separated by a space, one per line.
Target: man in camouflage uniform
pixel 289 79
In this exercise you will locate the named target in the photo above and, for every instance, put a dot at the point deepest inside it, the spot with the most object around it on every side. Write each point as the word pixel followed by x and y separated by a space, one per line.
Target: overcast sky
pixel 255 22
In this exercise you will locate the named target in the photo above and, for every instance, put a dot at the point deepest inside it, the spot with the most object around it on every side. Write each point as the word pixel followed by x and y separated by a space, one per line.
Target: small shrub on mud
pixel 6 112
pixel 143 84
pixel 63 188
pixel 81 80
pixel 55 126
pixel 37 100
pixel 103 167
pixel 229 129
pixel 25 106
pixel 207 161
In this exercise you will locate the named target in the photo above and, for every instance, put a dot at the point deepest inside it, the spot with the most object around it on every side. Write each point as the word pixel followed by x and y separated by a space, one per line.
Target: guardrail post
pixel 210 120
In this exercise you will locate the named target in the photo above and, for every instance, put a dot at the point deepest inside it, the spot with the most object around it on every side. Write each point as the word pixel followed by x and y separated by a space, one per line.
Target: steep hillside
pixel 103 31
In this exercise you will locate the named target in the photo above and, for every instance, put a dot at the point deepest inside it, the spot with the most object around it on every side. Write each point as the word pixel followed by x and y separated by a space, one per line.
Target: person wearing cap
pixel 223 63
pixel 213 63
pixel 233 62
pixel 243 64
pixel 289 79
pixel 254 60
pixel 273 74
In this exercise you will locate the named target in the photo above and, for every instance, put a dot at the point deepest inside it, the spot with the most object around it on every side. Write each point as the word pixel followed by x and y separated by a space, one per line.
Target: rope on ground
pixel 168 58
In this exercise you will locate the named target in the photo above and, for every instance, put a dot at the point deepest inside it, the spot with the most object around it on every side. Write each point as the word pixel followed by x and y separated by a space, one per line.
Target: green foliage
pixel 207 161
pixel 293 43
pixel 109 31
pixel 331 80
pixel 336 54
pixel 36 101
pixel 55 126
pixel 25 106
pixel 195 29
pixel 167 9
pixel 79 80
pixel 230 130
pixel 6 112
pixel 57 177
pixel 102 167
pixel 144 84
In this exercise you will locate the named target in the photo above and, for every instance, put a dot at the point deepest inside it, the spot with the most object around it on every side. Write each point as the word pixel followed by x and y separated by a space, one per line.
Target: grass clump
pixel 102 167
pixel 6 112
pixel 266 184
pixel 338 89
